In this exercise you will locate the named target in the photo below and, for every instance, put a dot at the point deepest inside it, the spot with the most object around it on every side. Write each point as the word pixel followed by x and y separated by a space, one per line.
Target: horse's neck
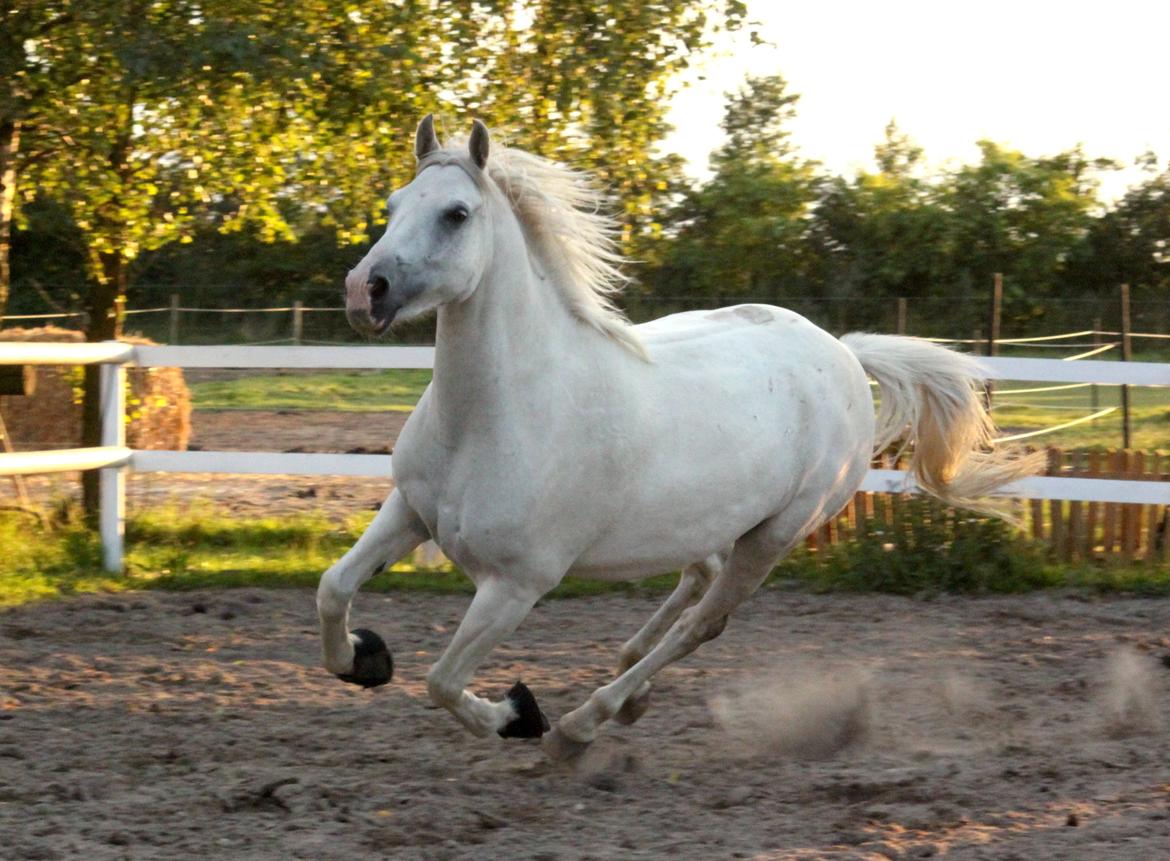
pixel 502 350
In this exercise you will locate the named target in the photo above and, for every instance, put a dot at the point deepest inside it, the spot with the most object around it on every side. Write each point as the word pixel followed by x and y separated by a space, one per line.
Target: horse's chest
pixel 469 512
pixel 479 535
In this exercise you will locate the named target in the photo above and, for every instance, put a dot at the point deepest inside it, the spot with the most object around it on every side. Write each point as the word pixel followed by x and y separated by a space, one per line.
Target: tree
pixel 174 115
pixel 590 83
pixel 743 233
pixel 1020 216
pixel 128 146
pixel 45 47
pixel 1131 243
pixel 878 235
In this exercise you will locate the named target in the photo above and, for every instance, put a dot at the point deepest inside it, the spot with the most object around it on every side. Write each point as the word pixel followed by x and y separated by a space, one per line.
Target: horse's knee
pixel 336 589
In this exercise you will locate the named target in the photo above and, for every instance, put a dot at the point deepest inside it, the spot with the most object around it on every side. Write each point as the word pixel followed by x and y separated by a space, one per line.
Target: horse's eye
pixel 456 215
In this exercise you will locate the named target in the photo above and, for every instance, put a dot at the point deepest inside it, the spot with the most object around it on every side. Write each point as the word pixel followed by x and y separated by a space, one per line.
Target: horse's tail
pixel 931 397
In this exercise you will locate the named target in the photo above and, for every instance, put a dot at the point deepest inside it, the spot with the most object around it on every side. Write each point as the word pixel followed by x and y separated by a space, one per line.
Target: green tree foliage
pixel 590 83
pixel 45 48
pixel 273 119
pixel 210 144
pixel 880 234
pixel 744 232
pixel 171 116
pixel 1131 243
pixel 1020 216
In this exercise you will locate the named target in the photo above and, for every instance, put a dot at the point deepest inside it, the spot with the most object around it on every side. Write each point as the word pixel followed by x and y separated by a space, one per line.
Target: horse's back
pixel 735 349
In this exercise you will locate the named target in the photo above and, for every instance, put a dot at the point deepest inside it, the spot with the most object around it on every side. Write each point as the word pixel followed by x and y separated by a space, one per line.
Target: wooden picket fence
pixel 1073 530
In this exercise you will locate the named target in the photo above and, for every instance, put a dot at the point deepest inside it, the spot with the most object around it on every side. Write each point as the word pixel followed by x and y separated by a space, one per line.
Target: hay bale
pixel 158 402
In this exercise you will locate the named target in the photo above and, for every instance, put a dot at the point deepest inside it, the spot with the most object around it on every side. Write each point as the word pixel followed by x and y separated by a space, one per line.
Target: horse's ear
pixel 478 145
pixel 425 139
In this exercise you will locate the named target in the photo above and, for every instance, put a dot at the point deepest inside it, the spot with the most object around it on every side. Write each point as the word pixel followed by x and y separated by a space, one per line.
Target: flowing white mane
pixel 562 211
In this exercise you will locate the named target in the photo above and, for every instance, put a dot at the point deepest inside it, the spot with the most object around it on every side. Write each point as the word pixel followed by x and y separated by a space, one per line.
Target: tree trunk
pixel 9 145
pixel 104 307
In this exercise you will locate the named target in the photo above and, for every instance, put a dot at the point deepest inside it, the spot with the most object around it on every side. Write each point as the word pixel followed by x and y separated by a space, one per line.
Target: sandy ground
pixel 176 726
pixel 200 726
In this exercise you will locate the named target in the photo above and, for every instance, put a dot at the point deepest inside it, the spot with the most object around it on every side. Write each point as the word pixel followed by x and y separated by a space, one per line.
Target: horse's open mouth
pixel 369 325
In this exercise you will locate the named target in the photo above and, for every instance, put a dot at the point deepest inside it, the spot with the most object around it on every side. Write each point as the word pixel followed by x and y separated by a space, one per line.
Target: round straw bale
pixel 158 402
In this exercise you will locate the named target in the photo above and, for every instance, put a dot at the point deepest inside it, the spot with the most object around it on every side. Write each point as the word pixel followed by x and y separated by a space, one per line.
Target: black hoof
pixel 372 664
pixel 530 721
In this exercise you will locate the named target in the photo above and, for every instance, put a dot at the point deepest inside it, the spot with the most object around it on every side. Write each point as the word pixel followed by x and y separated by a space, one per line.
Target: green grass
pixel 198 549
pixel 1022 413
pixel 346 391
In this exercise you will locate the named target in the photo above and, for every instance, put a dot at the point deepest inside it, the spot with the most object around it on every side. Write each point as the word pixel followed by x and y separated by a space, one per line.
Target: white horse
pixel 557 439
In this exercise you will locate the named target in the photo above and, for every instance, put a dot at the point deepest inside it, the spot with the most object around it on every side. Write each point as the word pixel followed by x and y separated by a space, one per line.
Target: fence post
pixel 901 315
pixel 174 337
pixel 298 321
pixel 993 329
pixel 1126 356
pixel 113 479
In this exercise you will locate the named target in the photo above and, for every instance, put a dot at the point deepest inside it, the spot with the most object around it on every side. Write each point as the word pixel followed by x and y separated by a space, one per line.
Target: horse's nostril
pixel 379 286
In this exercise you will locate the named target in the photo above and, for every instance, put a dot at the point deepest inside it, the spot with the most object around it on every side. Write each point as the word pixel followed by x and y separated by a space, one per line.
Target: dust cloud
pixel 1129 695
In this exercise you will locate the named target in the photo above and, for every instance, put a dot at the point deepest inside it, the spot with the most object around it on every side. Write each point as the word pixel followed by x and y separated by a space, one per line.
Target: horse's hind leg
pixel 692 584
pixel 751 559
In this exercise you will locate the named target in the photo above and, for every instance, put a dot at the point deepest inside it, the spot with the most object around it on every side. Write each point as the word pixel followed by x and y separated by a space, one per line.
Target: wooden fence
pixel 1075 530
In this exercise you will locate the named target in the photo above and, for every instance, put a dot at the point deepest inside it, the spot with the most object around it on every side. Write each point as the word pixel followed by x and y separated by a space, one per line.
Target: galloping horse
pixel 558 439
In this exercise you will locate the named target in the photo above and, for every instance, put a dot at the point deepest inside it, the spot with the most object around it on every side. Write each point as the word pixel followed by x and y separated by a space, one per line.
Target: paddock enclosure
pixel 200 725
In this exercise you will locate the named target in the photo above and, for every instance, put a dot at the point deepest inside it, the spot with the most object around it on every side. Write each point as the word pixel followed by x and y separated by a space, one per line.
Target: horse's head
pixel 437 242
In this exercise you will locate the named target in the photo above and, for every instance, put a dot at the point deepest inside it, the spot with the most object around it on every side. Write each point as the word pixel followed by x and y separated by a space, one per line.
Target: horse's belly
pixel 684 520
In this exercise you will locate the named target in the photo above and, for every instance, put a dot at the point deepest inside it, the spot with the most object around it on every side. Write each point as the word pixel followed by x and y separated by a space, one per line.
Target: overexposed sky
pixel 1037 75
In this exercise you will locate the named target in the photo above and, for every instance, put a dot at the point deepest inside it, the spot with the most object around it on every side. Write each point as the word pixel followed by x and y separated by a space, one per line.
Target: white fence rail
pixel 113 457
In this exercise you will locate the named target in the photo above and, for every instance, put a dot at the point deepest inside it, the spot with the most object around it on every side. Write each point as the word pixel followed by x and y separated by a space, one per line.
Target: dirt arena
pixel 183 726
pixel 177 726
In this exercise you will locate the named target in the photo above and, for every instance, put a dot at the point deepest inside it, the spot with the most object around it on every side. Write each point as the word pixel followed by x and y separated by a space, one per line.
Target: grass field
pixel 1028 411
pixel 1031 411
pixel 346 391
pixel 200 548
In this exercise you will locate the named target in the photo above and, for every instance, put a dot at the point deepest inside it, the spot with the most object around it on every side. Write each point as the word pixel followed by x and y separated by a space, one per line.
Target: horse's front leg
pixel 498 608
pixel 361 657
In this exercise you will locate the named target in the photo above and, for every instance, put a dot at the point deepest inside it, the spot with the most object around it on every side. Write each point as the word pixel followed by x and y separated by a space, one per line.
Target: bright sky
pixel 1038 75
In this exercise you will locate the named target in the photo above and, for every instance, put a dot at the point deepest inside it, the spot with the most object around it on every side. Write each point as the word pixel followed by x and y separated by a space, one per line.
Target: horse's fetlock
pixel 715 627
pixel 441 691
pixel 628 656
pixel 332 601
pixel 604 703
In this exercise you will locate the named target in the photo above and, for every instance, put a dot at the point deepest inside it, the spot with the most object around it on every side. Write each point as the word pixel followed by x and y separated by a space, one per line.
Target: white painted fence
pixel 113 457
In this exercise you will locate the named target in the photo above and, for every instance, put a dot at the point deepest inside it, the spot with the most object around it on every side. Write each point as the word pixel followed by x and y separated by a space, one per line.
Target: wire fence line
pixel 287 325
pixel 1030 342
pixel 953 315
